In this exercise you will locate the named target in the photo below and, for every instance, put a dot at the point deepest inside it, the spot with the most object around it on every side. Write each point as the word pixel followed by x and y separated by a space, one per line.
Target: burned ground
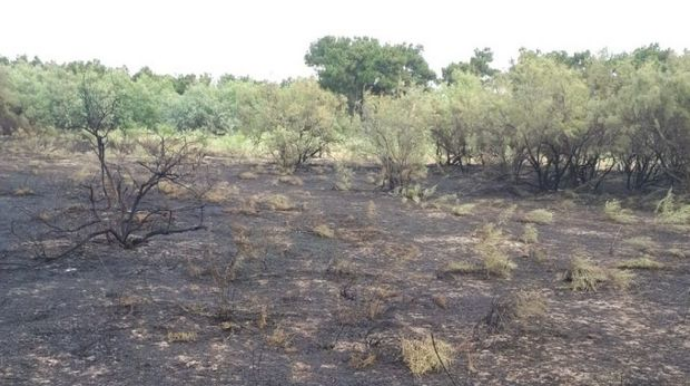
pixel 263 298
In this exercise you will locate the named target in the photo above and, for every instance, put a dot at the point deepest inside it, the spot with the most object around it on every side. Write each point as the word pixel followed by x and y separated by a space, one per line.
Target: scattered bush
pixel 302 121
pixel 397 132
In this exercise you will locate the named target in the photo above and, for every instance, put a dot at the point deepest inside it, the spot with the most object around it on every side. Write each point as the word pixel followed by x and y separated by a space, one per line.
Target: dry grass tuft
pixel 495 261
pixel 538 216
pixel 584 275
pixel 82 175
pixel 279 338
pixel 421 355
pixel 670 211
pixel 506 214
pixel 458 268
pixel 641 243
pixel 621 280
pixel 644 262
pixel 371 210
pixel 360 361
pixel 278 202
pixel 497 264
pixel 262 318
pixel 515 308
pixel 131 301
pixel 441 301
pixel 324 231
pixel 463 209
pixel 343 177
pixel 530 234
pixel 247 207
pixel 678 253
pixel 291 180
pixel 221 192
pixel 530 304
pixel 173 190
pixel 416 193
pixel 615 212
pixel 182 336
pixel 247 176
pixel 374 308
pixel 23 191
pixel 341 268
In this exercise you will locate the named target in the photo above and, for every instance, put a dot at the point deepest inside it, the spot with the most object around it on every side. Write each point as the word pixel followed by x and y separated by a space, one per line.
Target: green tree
pixel 479 65
pixel 10 116
pixel 549 112
pixel 653 106
pixel 355 66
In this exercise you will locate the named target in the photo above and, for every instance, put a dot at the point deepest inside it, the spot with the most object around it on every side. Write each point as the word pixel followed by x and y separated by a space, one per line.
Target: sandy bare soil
pixel 300 306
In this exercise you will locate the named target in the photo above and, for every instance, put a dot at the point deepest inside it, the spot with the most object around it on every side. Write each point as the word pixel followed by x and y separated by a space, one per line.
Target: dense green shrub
pixel 397 129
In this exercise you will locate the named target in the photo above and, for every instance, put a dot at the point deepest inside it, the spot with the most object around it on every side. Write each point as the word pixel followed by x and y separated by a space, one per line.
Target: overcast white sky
pixel 268 38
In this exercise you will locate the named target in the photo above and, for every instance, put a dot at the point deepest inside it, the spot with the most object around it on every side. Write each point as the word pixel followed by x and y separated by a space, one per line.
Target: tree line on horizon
pixel 553 119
